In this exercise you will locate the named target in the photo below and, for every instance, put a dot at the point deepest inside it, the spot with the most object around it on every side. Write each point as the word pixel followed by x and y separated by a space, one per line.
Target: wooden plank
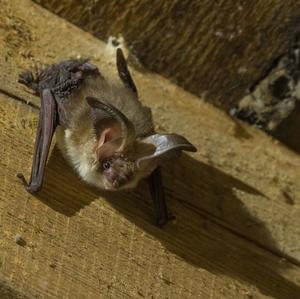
pixel 240 177
pixel 82 243
pixel 235 198
pixel 213 48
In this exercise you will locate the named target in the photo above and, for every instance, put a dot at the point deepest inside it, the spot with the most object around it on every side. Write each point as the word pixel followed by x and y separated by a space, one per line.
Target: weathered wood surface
pixel 236 200
pixel 216 49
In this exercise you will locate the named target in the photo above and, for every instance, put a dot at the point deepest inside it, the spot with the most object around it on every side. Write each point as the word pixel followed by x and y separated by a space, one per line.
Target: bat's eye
pixel 106 165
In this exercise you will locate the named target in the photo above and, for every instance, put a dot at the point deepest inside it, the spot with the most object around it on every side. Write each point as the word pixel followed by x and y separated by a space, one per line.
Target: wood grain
pixel 236 200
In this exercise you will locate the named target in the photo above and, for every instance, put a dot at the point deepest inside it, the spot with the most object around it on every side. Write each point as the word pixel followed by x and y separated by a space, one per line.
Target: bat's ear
pixel 115 133
pixel 156 148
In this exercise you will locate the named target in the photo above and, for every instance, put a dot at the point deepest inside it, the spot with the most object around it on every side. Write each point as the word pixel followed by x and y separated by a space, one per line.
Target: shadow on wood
pixel 6 292
pixel 194 237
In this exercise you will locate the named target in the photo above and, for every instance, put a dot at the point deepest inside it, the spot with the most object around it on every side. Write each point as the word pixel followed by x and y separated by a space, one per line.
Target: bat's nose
pixel 114 179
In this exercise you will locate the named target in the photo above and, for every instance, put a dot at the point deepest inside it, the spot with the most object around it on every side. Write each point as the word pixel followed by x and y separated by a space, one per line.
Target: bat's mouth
pixel 118 182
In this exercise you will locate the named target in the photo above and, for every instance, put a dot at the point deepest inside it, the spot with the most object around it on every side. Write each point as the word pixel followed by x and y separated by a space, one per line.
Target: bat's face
pixel 124 171
pixel 113 174
pixel 117 172
pixel 121 158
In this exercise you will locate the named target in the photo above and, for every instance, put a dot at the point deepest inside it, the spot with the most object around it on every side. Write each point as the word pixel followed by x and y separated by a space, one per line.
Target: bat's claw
pixel 27 79
pixel 162 221
pixel 31 188
pixel 21 177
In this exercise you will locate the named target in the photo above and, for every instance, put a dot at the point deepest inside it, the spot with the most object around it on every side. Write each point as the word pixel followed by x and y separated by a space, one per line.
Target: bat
pixel 102 129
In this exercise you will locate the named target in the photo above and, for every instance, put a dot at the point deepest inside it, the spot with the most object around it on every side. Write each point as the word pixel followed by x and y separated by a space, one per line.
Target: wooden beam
pixel 237 226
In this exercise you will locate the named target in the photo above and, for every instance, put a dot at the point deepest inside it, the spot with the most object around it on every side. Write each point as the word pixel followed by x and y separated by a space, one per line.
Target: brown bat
pixel 102 129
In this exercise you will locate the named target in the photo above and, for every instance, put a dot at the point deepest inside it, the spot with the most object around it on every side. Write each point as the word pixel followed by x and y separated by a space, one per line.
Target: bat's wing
pixel 48 121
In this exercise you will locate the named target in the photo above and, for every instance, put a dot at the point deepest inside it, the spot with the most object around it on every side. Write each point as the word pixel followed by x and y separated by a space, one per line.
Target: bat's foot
pixel 31 188
pixel 162 221
pixel 27 79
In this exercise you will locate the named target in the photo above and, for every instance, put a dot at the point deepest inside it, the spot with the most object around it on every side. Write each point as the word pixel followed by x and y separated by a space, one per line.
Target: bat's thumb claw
pixel 22 179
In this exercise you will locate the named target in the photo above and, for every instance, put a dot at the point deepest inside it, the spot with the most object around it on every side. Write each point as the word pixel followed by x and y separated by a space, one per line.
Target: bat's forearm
pixel 45 130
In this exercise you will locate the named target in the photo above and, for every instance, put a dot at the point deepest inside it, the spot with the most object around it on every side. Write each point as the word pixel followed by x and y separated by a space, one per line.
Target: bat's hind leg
pixel 27 79
pixel 159 201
